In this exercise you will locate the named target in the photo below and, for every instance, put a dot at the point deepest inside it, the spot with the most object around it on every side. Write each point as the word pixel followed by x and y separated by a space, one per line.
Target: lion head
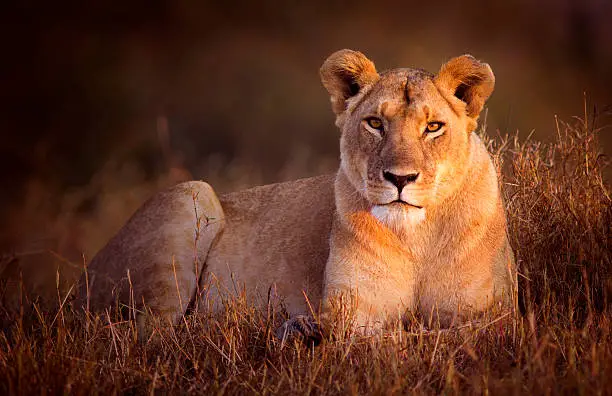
pixel 406 133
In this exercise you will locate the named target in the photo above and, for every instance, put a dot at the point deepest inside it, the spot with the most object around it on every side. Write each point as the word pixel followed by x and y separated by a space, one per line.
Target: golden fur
pixel 437 243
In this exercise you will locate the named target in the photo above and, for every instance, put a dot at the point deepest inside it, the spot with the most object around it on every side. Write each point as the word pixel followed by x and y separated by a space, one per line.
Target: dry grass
pixel 559 211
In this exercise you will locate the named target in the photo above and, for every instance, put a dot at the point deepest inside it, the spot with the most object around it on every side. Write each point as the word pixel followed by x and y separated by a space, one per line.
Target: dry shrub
pixel 560 212
pixel 559 218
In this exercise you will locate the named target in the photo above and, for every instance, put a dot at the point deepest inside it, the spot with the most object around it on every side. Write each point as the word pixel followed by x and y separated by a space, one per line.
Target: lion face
pixel 405 141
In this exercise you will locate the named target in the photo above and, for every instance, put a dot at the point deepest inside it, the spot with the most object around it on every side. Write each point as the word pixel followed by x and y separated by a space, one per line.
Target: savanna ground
pixel 557 340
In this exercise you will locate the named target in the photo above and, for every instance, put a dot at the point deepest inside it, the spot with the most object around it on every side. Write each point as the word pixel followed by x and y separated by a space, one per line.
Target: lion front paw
pixel 301 327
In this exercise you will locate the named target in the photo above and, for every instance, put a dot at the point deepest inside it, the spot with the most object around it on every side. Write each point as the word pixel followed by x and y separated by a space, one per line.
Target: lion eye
pixel 375 123
pixel 433 126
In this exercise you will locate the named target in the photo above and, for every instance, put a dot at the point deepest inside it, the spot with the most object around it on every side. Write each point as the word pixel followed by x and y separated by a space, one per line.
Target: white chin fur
pixel 398 218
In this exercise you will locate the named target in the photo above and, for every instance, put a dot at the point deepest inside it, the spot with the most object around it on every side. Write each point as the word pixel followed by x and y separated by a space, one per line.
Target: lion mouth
pixel 402 203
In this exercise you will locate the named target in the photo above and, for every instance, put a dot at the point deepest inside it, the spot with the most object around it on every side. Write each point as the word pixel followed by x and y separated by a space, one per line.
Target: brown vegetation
pixel 559 210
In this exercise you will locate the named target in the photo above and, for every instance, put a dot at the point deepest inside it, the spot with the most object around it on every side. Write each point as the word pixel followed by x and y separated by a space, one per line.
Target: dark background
pixel 104 103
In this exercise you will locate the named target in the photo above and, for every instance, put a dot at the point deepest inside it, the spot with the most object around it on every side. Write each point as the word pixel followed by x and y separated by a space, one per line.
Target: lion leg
pixel 342 316
pixel 153 264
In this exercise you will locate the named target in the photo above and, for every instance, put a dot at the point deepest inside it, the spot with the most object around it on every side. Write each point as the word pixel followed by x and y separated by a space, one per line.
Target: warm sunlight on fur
pixel 412 221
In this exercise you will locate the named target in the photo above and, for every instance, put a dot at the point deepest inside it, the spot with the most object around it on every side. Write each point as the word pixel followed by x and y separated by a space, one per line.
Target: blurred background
pixel 104 103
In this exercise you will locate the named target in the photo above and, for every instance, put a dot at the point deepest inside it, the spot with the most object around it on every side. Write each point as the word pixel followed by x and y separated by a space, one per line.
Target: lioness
pixel 412 220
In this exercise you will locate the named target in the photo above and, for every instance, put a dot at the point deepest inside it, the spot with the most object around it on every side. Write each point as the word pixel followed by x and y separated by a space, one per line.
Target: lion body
pixel 412 220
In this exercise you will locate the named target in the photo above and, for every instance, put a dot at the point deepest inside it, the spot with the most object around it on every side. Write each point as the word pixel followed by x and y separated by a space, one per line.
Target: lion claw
pixel 300 327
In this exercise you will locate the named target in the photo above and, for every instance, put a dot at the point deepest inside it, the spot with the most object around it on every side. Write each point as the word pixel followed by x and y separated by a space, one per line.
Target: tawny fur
pixel 444 248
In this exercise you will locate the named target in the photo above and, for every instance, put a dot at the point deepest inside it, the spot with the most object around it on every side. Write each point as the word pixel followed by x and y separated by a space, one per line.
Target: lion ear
pixel 344 74
pixel 468 79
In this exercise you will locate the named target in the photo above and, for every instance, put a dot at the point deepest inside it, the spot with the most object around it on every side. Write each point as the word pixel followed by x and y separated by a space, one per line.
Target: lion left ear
pixel 344 74
pixel 468 79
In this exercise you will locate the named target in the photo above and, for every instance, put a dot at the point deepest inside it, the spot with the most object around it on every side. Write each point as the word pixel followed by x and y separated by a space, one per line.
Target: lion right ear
pixel 469 80
pixel 344 74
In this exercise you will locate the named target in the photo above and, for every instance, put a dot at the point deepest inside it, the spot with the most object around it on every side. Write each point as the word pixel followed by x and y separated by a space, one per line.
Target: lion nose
pixel 400 180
